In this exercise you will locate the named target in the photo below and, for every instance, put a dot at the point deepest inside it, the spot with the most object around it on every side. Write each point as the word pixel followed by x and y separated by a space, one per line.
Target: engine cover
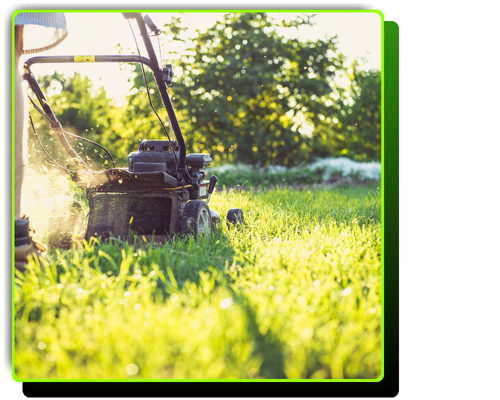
pixel 154 156
pixel 198 160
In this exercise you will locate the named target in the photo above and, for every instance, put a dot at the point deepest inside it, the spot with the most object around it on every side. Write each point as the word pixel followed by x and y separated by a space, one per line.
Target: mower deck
pixel 123 203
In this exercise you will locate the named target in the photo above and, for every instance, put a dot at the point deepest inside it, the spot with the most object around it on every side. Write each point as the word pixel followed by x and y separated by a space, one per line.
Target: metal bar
pixel 162 86
pixel 33 83
pixel 28 76
pixel 80 59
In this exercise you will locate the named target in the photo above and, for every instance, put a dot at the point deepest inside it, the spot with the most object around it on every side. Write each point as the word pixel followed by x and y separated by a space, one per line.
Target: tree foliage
pixel 245 92
pixel 356 129
pixel 250 91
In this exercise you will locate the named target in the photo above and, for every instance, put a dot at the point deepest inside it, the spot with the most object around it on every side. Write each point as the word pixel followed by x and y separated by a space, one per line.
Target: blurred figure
pixel 34 32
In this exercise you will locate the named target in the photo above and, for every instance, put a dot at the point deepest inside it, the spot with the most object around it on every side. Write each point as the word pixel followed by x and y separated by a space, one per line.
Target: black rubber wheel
pixel 196 219
pixel 235 216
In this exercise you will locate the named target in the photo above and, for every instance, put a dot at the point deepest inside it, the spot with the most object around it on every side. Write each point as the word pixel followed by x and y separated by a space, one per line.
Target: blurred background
pixel 252 88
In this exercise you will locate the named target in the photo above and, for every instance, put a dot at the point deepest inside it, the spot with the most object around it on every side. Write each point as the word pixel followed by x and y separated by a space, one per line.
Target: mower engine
pixel 162 156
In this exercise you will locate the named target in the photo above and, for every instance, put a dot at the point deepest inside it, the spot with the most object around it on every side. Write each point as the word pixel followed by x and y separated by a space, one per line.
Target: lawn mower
pixel 163 191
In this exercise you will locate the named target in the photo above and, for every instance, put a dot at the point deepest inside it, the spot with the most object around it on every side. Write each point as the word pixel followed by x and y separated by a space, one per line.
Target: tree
pixel 363 120
pixel 250 92
pixel 356 130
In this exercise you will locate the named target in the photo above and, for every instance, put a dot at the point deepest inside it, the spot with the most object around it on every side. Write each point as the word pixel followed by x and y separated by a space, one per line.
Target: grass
pixel 295 293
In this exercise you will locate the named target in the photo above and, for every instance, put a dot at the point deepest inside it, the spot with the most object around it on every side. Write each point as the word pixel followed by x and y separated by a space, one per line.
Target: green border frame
pixel 391 332
pixel 390 201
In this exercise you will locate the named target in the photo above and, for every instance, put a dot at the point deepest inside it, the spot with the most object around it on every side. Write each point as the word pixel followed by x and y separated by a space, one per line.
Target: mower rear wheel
pixel 196 219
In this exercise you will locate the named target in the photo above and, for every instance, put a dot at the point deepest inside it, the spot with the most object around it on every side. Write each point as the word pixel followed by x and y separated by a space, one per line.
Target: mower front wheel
pixel 235 216
pixel 196 219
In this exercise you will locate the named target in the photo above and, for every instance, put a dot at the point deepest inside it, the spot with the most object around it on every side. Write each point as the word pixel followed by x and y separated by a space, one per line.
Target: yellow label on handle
pixel 84 58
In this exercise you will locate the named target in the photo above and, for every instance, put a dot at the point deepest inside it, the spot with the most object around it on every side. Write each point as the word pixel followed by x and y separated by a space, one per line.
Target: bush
pixel 322 170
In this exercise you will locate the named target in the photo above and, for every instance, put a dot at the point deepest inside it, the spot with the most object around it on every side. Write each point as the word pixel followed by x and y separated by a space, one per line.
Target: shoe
pixel 24 245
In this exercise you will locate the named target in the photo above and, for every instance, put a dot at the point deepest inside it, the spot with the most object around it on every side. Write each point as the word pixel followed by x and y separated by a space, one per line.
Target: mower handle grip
pixel 151 25
pixel 211 185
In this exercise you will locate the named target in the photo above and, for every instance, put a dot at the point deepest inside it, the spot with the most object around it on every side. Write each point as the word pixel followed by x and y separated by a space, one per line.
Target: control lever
pixel 151 25
pixel 211 187
pixel 167 74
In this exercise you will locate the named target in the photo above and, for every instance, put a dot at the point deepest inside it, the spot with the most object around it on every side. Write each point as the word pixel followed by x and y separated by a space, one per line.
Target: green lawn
pixel 295 293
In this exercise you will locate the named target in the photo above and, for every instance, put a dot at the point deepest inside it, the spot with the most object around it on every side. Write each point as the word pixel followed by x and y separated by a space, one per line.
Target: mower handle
pixel 162 87
pixel 152 63
pixel 130 15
